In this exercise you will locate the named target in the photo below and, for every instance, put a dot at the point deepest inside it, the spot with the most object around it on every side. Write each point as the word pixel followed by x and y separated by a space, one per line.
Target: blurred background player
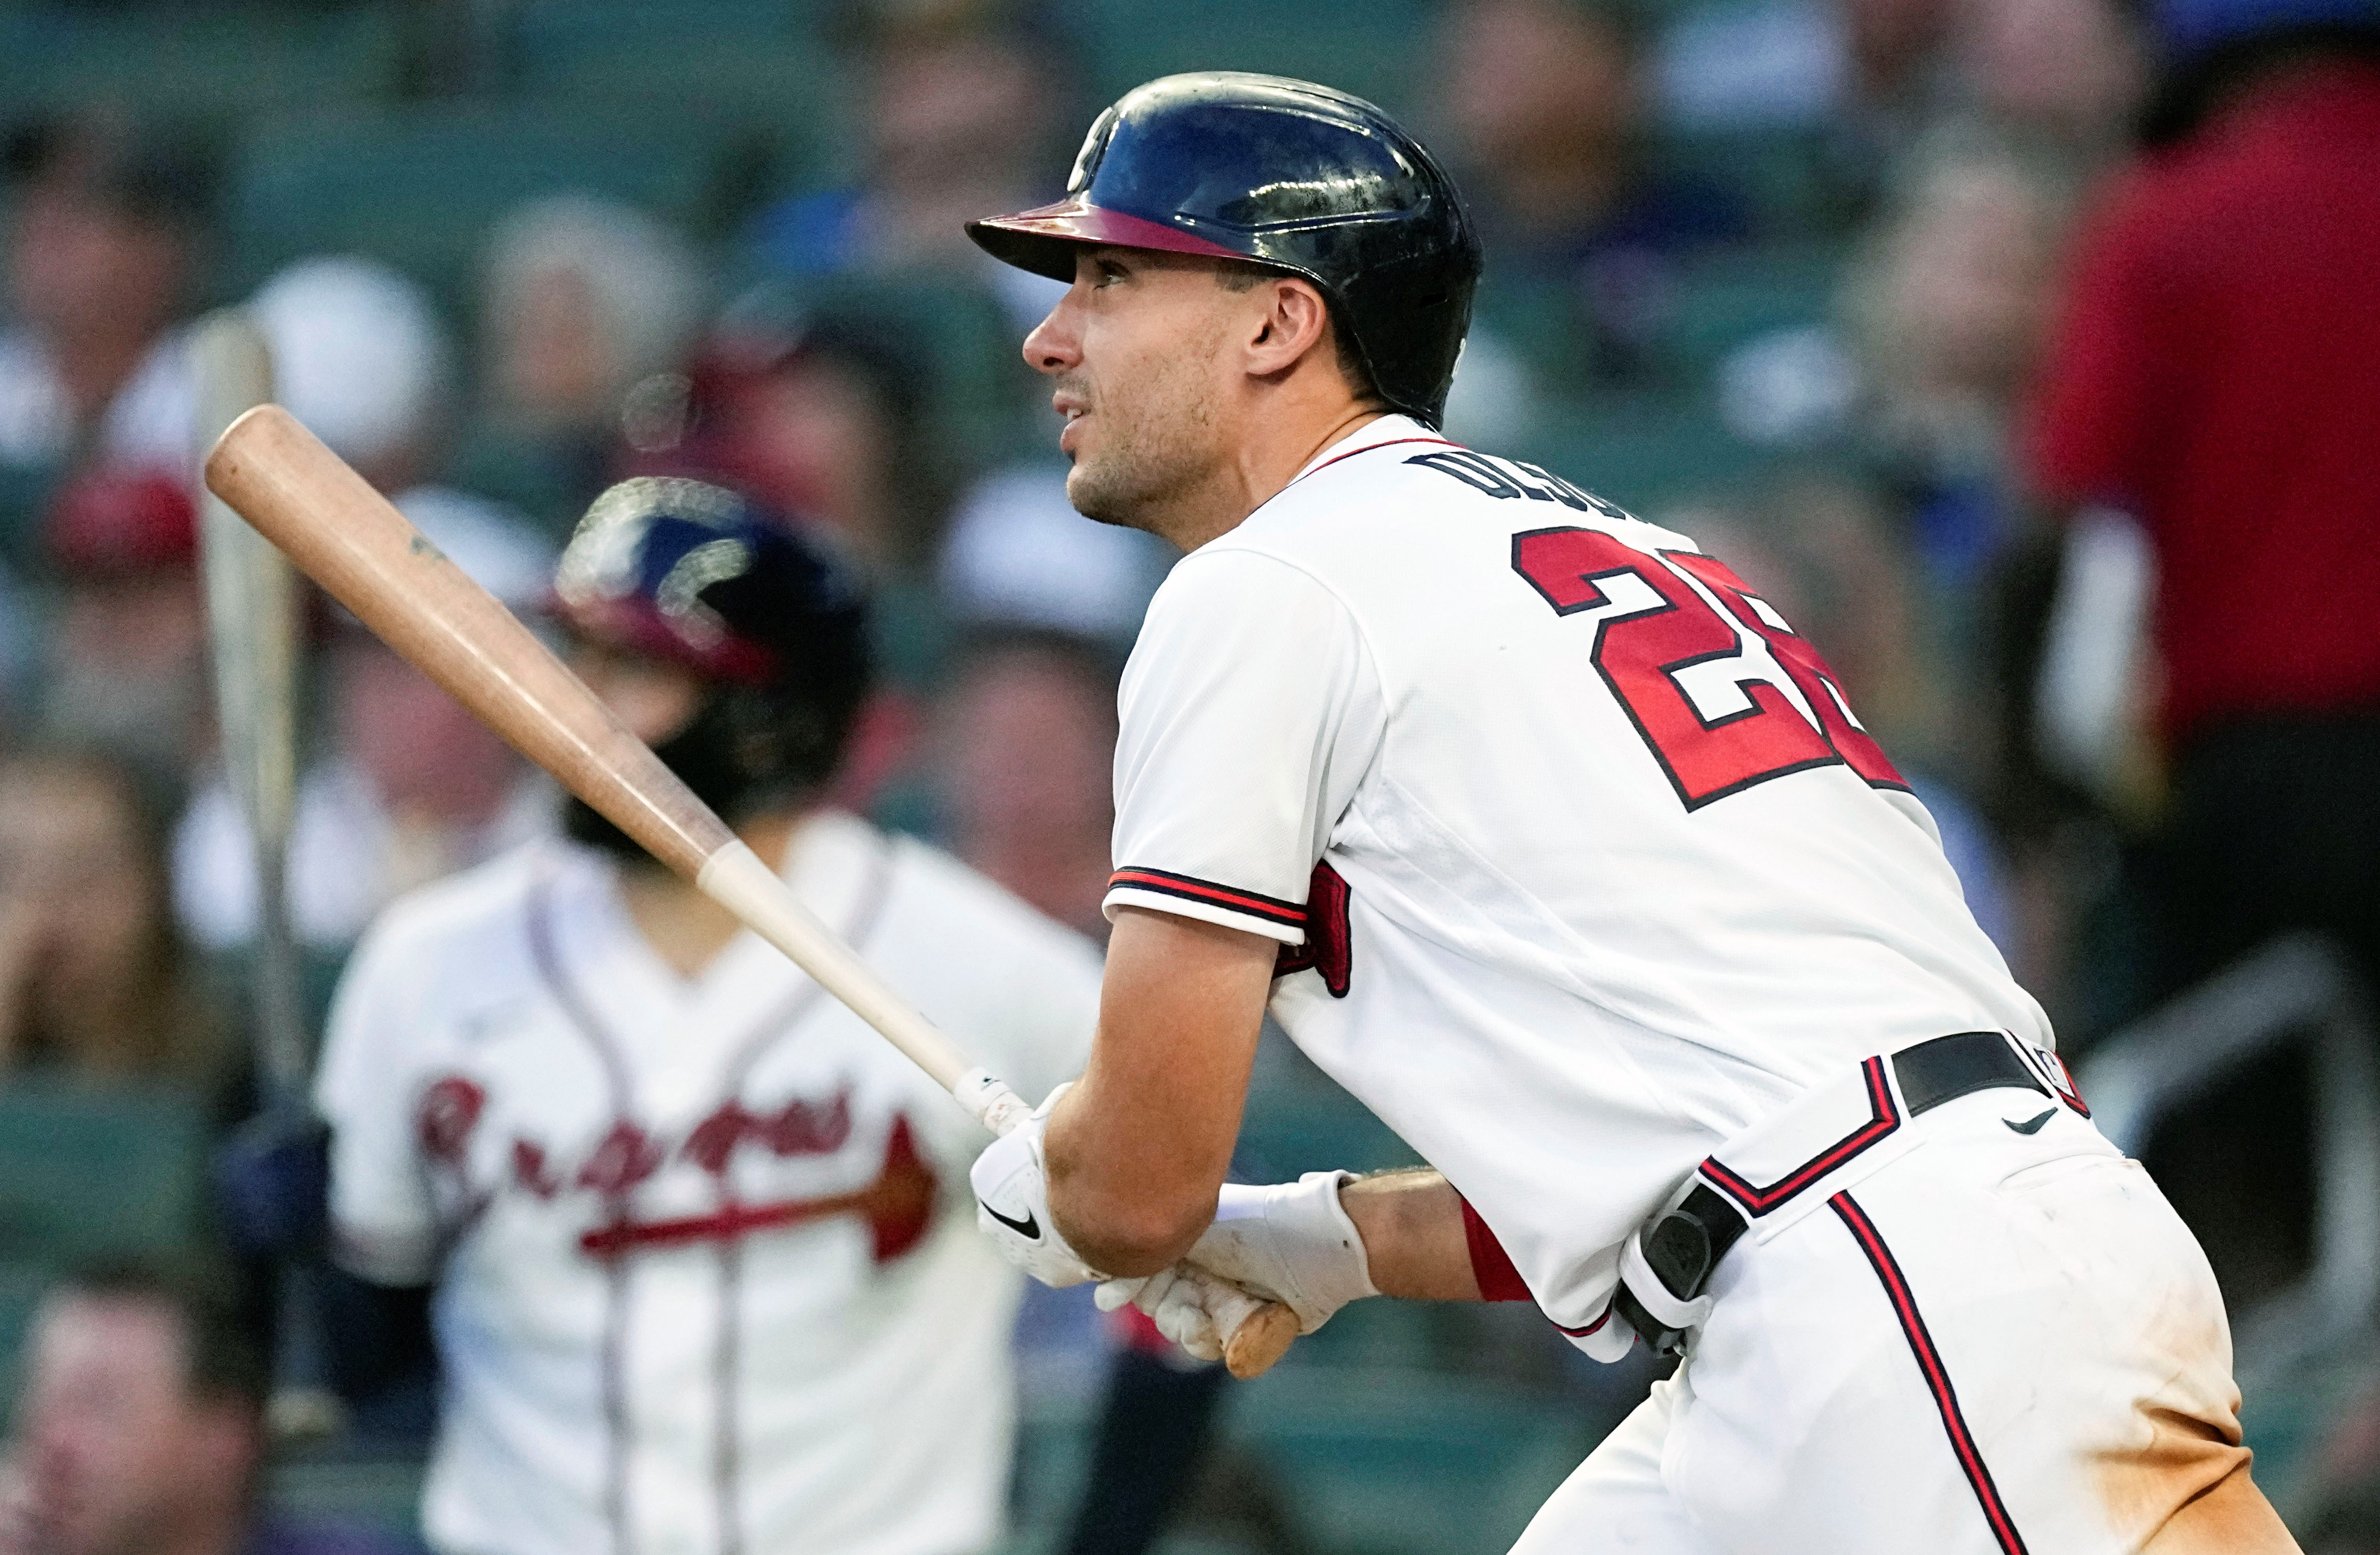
pixel 2216 376
pixel 2215 381
pixel 699 1283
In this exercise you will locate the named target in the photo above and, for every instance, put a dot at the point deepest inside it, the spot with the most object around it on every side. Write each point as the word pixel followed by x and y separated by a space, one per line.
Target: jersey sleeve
pixel 1250 711
pixel 383 1224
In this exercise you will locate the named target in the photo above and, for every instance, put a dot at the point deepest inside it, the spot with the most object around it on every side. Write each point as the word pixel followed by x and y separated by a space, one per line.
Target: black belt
pixel 1684 1245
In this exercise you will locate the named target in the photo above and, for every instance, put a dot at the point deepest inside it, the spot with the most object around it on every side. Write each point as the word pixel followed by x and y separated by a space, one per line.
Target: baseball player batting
pixel 1549 840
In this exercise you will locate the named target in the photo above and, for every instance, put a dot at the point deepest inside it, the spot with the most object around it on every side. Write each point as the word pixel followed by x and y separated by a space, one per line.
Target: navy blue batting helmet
pixel 693 574
pixel 1286 175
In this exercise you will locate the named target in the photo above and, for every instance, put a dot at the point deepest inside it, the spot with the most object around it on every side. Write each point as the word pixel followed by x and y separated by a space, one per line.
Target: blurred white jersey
pixel 1580 860
pixel 708 1279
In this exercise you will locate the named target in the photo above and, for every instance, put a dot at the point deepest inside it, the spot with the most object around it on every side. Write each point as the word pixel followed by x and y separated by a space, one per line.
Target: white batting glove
pixel 1195 1309
pixel 1012 1202
pixel 1286 1241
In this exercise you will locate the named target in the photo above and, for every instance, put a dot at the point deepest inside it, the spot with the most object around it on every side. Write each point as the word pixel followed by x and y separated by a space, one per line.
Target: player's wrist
pixel 1010 1178
pixel 1293 1242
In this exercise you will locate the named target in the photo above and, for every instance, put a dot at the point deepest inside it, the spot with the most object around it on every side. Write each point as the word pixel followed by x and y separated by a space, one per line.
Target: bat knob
pixel 1262 1338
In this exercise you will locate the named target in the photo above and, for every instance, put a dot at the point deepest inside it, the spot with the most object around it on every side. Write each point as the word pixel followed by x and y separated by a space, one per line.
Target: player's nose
pixel 1055 346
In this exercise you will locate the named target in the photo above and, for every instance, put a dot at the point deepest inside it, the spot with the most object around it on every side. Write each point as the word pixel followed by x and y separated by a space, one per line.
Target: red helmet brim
pixel 1044 240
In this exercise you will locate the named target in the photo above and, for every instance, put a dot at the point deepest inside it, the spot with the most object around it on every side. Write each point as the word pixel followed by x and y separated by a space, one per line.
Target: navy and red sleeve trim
pixel 1164 882
pixel 1490 1265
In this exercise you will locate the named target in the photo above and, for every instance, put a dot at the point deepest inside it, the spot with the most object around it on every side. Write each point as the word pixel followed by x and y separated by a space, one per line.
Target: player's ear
pixel 1293 320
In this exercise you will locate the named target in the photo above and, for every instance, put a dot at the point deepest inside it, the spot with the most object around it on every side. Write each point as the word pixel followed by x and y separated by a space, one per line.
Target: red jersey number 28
pixel 1708 704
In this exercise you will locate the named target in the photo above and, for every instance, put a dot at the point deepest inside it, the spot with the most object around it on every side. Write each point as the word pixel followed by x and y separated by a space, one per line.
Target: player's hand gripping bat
pixel 347 538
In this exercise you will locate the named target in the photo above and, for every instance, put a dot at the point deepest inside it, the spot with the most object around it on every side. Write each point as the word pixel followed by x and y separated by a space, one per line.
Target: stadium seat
pixel 420 187
pixel 1789 177
pixel 1642 454
pixel 340 1483
pixel 1380 1461
pixel 86 1174
pixel 558 36
pixel 1364 46
pixel 762 66
pixel 1725 300
pixel 215 63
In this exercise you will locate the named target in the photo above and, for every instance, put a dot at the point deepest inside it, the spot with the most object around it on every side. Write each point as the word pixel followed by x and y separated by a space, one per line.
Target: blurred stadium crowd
pixel 1840 288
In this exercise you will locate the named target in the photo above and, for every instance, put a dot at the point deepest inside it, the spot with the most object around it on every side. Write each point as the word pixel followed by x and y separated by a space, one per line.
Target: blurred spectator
pixel 360 357
pixel 825 415
pixel 1020 555
pixel 140 1428
pixel 587 307
pixel 1948 322
pixel 412 786
pixel 1901 76
pixel 2063 76
pixel 963 108
pixel 1874 78
pixel 1546 102
pixel 103 233
pixel 128 664
pixel 1029 731
pixel 1944 323
pixel 1778 66
pixel 2217 375
pixel 93 982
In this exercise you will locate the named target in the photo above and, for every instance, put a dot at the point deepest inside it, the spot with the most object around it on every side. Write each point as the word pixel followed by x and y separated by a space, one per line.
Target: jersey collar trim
pixel 1381 433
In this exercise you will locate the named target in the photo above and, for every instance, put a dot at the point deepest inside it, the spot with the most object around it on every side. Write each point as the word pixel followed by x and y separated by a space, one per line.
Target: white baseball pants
pixel 1994 1342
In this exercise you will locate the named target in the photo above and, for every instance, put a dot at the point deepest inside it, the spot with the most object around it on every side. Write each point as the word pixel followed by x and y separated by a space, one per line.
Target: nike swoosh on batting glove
pixel 1012 1203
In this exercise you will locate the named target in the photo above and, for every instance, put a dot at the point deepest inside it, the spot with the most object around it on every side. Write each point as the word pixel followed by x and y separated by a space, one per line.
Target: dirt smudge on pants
pixel 2188 1490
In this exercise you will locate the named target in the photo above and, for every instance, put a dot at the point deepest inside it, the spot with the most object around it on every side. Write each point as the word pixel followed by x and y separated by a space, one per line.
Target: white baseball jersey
pixel 1580 861
pixel 708 1275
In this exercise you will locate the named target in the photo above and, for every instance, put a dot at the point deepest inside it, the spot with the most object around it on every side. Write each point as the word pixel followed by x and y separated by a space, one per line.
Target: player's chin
pixel 1094 495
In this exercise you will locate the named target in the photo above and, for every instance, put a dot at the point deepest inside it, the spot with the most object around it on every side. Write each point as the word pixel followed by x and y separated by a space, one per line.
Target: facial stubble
pixel 1157 440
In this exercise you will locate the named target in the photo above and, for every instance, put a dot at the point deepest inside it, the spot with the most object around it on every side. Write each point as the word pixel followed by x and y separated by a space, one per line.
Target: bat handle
pixel 989 1102
pixel 1259 1331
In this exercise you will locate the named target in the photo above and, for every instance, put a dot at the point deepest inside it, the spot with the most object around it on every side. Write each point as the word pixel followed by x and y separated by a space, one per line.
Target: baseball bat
pixel 252 640
pixel 350 539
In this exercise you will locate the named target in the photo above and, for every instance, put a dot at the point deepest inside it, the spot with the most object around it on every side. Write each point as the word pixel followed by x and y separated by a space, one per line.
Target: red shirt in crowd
pixel 2217 375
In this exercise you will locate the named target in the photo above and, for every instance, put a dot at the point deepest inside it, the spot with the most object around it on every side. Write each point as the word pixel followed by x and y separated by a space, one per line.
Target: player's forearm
pixel 1413 1237
pixel 1136 1150
pixel 1122 1221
